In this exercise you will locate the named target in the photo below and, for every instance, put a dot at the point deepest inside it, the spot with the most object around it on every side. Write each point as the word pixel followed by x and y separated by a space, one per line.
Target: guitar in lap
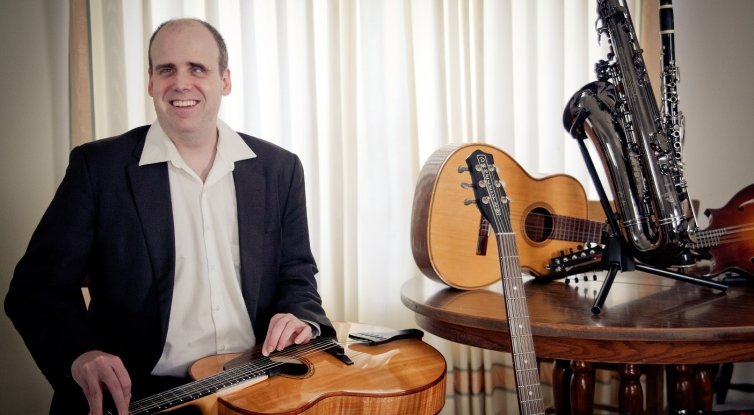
pixel 375 372
pixel 450 242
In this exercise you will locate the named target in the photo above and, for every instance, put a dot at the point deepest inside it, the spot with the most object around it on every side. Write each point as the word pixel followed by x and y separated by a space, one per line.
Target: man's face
pixel 185 82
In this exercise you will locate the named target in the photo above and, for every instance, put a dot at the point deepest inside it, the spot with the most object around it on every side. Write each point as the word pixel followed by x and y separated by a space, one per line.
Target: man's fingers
pixel 120 393
pixel 284 330
pixel 303 335
pixel 273 334
pixel 95 372
pixel 93 393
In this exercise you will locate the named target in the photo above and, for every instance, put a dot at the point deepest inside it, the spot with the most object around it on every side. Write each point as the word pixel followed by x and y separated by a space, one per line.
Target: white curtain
pixel 364 91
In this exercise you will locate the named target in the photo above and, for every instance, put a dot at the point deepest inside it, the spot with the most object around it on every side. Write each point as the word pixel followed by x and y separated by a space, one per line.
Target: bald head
pixel 222 49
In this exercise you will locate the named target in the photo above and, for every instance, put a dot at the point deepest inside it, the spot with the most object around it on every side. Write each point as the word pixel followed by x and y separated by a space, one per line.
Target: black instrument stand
pixel 616 255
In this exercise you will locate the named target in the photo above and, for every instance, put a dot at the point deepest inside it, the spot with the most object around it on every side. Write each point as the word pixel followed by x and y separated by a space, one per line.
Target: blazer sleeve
pixel 287 279
pixel 298 267
pixel 45 300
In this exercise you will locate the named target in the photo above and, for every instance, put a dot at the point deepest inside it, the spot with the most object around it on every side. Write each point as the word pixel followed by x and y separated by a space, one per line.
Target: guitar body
pixel 445 231
pixel 400 377
pixel 735 224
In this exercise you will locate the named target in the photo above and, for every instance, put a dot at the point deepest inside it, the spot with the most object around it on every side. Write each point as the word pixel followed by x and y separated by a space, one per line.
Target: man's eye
pixel 166 71
pixel 197 69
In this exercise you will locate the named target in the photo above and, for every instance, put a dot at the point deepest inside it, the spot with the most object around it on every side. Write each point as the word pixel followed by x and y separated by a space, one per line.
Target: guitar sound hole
pixel 538 224
pixel 291 367
pixel 294 369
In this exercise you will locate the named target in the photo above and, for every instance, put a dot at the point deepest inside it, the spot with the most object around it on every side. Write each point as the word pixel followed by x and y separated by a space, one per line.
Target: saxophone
pixel 639 144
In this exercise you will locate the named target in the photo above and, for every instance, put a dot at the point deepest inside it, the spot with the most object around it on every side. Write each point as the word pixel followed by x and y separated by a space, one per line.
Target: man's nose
pixel 183 80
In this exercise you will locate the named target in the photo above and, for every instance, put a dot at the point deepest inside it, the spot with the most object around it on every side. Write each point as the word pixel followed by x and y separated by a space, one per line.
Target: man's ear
pixel 149 83
pixel 226 81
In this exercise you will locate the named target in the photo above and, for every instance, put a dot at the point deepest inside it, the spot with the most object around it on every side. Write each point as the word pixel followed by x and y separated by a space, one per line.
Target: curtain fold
pixel 364 92
pixel 79 62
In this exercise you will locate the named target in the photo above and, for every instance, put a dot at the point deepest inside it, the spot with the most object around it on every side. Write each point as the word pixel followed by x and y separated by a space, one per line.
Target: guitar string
pixel 729 234
pixel 233 376
pixel 228 377
pixel 574 228
pixel 525 363
pixel 216 382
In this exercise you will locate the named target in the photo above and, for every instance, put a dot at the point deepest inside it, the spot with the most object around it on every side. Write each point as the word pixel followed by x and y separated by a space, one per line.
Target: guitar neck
pixel 522 345
pixel 566 228
pixel 709 238
pixel 194 391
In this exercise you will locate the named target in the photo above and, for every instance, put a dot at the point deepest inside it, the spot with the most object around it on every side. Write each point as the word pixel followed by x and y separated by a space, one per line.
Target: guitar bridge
pixel 340 354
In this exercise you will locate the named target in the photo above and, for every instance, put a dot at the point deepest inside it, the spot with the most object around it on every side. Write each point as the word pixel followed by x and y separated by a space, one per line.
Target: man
pixel 193 238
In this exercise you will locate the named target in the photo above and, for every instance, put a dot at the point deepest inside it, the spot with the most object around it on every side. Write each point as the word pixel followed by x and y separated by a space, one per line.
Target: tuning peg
pixel 469 202
pixel 465 185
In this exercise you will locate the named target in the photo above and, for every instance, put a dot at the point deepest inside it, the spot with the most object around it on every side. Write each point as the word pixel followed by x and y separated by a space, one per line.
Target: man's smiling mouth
pixel 184 103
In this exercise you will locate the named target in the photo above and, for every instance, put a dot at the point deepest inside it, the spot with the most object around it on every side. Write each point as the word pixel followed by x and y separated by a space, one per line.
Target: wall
pixel 33 156
pixel 714 55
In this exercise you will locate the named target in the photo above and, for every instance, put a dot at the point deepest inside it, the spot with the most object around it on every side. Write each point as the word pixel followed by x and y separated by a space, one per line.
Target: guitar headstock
pixel 488 191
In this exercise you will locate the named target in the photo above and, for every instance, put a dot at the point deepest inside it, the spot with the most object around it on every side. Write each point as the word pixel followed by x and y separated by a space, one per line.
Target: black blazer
pixel 111 221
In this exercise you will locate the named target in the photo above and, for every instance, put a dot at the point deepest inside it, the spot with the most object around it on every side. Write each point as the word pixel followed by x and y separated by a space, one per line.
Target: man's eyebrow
pixel 164 65
pixel 198 65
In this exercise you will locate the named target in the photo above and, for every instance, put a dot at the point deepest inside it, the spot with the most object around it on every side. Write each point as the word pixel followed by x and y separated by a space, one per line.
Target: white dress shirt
pixel 208 314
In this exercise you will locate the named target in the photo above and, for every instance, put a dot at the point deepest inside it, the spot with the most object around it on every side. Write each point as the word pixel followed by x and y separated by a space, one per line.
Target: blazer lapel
pixel 250 198
pixel 151 193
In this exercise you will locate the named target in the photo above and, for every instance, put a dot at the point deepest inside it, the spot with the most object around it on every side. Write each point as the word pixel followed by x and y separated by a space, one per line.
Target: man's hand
pixel 97 372
pixel 285 330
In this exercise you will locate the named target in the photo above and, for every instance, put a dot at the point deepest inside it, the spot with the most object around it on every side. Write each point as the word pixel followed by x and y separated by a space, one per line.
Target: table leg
pixel 655 389
pixel 630 393
pixel 561 385
pixel 705 387
pixel 680 388
pixel 582 388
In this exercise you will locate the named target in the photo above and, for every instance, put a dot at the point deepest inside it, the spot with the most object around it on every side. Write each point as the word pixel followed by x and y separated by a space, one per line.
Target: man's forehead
pixel 177 30
pixel 184 42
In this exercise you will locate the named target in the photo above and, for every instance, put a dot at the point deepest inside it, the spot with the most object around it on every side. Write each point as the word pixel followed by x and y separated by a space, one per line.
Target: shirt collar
pixel 159 148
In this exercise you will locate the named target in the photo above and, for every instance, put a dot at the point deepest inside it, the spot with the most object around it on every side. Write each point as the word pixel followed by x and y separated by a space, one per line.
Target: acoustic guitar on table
pixel 450 241
pixel 378 371
pixel 494 205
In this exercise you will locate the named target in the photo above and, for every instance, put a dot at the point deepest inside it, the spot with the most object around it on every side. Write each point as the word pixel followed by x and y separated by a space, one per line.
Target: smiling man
pixel 193 237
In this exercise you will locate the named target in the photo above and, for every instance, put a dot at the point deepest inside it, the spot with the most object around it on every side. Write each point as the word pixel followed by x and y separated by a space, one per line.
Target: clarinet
pixel 672 118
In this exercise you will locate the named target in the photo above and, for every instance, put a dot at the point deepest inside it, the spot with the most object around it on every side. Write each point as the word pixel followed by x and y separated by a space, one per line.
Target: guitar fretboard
pixel 566 228
pixel 522 346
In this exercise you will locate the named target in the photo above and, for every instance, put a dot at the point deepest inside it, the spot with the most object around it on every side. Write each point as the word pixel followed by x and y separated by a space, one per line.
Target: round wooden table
pixel 646 321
